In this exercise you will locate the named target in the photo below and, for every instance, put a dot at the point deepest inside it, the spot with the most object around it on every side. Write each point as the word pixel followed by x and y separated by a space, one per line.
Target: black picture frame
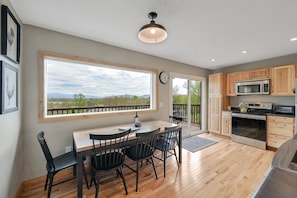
pixel 10 35
pixel 8 88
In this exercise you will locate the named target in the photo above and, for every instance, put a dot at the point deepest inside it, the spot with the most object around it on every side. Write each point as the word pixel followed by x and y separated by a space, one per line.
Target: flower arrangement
pixel 244 107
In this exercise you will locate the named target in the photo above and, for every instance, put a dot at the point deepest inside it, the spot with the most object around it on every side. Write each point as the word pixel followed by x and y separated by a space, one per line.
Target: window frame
pixel 42 107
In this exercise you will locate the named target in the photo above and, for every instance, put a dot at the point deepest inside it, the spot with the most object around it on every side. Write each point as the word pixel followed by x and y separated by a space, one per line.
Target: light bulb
pixel 153 31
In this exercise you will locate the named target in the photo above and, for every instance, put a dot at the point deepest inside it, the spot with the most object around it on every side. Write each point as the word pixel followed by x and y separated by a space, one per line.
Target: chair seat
pixel 105 162
pixel 135 154
pixel 63 161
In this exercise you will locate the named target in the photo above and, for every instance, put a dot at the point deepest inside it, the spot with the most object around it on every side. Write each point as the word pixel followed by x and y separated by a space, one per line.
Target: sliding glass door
pixel 187 98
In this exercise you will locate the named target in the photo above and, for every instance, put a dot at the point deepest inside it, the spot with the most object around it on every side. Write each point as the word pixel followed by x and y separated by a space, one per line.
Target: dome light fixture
pixel 152 33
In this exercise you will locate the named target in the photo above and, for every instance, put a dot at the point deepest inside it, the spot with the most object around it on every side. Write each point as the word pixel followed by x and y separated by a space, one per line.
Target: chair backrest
pixel 145 143
pixel 109 149
pixel 169 138
pixel 48 156
pixel 175 120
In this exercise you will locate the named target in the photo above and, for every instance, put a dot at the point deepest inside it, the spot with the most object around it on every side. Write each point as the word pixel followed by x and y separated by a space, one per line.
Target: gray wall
pixel 283 60
pixel 59 134
pixel 11 138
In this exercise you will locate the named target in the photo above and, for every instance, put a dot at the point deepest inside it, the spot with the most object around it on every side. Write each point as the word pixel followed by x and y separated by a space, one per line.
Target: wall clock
pixel 163 77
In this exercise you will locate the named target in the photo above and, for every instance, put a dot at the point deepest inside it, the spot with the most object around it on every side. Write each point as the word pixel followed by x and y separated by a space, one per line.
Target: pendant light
pixel 152 33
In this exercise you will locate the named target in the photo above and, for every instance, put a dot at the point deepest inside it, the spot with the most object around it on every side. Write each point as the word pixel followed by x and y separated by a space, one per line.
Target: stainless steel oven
pixel 250 127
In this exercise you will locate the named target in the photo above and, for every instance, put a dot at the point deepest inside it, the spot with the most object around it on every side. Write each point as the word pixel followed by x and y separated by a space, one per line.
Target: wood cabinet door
pixel 283 80
pixel 231 79
pixel 215 83
pixel 244 75
pixel 226 123
pixel 279 130
pixel 214 113
pixel 260 73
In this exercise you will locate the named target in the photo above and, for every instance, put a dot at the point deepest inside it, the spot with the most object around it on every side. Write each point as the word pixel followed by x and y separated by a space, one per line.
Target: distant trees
pixel 79 100
pixel 195 90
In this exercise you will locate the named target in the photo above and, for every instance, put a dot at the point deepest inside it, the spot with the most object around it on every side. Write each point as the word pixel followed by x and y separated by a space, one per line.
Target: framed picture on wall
pixel 10 35
pixel 8 88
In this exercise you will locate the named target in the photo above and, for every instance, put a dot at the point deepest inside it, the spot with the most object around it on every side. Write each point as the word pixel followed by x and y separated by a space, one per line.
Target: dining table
pixel 83 145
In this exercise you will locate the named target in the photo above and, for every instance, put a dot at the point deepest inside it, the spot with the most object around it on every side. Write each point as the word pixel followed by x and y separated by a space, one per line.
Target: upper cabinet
pixel 253 74
pixel 243 75
pixel 282 80
pixel 231 79
pixel 260 73
pixel 216 84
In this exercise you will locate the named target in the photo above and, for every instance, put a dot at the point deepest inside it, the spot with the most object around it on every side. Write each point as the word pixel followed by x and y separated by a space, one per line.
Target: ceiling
pixel 198 30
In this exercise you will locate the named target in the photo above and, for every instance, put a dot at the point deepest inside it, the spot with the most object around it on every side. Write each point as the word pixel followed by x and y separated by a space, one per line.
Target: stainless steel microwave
pixel 255 87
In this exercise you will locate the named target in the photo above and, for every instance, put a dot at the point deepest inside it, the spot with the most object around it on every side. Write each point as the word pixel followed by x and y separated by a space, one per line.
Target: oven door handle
pixel 248 116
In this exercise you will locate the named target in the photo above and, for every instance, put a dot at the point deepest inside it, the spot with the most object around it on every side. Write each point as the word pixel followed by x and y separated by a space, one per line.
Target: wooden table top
pixel 82 140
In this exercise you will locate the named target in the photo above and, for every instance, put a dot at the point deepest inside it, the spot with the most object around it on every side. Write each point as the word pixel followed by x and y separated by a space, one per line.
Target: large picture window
pixel 75 87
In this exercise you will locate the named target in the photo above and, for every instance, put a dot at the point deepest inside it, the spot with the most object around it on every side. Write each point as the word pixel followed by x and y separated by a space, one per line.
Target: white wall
pixel 11 138
pixel 59 134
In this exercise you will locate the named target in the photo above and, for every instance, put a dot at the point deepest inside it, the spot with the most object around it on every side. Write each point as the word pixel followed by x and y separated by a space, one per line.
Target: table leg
pixel 180 146
pixel 79 175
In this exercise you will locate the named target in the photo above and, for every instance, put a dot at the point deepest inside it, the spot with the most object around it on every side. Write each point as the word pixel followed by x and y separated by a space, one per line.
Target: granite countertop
pixel 281 115
pixel 282 178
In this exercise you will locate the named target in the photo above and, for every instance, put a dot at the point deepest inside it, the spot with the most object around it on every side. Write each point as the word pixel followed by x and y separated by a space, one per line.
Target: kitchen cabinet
pixel 260 74
pixel 226 123
pixel 215 84
pixel 282 80
pixel 253 74
pixel 243 75
pixel 279 130
pixel 231 79
pixel 217 101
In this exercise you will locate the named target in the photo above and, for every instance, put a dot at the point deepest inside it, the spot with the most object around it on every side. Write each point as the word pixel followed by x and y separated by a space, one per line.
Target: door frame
pixel 203 97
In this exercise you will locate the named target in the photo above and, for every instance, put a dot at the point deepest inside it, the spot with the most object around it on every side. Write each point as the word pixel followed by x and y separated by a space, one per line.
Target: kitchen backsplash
pixel 276 100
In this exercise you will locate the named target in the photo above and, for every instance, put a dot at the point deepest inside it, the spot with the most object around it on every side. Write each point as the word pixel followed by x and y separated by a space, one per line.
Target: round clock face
pixel 163 76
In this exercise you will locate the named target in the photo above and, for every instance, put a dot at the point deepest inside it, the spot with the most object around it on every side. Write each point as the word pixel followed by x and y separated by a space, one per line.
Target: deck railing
pixel 179 110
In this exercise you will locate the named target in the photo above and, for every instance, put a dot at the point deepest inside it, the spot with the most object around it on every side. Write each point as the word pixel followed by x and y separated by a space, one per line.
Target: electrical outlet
pixel 68 149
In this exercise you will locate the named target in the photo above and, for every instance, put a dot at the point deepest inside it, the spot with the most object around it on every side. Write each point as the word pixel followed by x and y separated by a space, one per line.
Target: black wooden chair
pixel 167 143
pixel 143 150
pixel 56 164
pixel 175 119
pixel 108 158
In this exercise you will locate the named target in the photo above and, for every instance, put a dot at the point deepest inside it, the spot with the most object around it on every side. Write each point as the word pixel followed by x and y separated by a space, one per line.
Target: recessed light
pixel 244 52
pixel 213 60
pixel 293 39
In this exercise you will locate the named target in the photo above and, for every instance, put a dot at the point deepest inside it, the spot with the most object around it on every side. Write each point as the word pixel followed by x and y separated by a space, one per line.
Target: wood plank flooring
pixel 226 169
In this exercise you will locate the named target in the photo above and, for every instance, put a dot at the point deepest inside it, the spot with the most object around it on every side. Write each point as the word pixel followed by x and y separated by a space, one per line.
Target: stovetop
pixel 251 111
pixel 259 108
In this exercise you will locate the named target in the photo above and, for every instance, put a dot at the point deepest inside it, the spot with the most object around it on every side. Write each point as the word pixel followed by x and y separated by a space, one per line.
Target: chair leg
pixel 154 168
pixel 120 172
pixel 97 187
pixel 164 162
pixel 175 156
pixel 51 178
pixel 46 182
pixel 137 170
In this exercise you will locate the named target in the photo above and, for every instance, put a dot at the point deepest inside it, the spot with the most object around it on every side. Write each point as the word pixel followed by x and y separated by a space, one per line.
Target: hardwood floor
pixel 226 169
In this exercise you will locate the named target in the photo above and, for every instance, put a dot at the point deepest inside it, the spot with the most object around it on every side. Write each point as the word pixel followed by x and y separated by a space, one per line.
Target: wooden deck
pixel 226 169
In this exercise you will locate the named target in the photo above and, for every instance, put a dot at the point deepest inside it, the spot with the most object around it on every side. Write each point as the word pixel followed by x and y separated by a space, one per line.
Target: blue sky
pixel 72 78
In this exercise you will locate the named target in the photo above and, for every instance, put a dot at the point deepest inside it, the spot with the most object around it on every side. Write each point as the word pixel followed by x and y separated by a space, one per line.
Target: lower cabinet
pixel 279 130
pixel 226 123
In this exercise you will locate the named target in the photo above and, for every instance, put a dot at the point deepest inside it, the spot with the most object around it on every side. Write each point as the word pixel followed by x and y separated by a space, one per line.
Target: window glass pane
pixel 72 87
